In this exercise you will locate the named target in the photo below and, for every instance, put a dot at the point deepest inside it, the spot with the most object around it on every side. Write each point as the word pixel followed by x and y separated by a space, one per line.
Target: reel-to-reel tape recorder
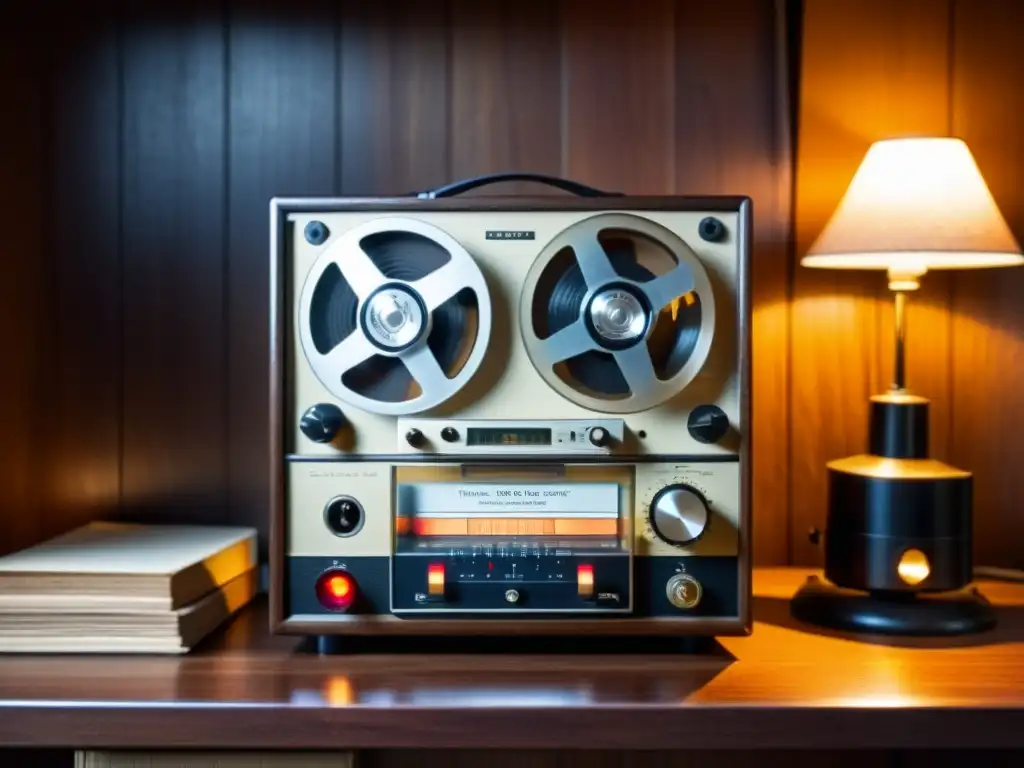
pixel 525 414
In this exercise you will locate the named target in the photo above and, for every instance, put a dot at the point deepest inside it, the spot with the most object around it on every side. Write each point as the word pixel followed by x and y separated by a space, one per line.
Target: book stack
pixel 125 588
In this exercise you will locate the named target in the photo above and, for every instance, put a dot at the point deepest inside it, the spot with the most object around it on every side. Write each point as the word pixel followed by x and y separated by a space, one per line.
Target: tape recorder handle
pixel 458 187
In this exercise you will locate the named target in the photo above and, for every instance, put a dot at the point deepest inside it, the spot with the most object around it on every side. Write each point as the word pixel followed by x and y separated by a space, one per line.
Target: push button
pixel 336 590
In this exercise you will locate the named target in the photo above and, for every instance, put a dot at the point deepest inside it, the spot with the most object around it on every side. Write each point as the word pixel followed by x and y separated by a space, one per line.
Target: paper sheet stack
pixel 125 588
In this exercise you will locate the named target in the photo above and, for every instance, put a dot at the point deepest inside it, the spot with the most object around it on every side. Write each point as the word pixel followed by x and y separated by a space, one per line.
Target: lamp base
pixel 962 612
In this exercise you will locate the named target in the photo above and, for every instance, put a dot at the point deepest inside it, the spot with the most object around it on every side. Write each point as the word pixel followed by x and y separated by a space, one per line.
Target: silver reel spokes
pixel 598 271
pixel 617 314
pixel 394 317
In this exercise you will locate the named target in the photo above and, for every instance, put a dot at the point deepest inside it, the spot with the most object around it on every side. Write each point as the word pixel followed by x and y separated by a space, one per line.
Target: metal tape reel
pixel 394 317
pixel 608 314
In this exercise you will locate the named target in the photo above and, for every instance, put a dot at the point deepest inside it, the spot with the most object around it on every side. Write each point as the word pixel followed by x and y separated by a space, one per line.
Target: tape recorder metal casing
pixel 510 414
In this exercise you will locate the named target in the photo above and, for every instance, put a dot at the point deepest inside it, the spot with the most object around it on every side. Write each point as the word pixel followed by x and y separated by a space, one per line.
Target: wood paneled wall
pixel 869 70
pixel 23 270
pixel 167 127
pixel 987 376
pixel 877 69
pixel 150 137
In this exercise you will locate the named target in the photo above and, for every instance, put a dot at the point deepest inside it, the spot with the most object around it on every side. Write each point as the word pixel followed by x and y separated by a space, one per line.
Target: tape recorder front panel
pixel 525 412
pixel 507 383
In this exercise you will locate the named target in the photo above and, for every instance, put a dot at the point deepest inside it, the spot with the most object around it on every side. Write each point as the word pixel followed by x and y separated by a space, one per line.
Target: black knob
pixel 343 515
pixel 711 229
pixel 322 422
pixel 599 437
pixel 316 233
pixel 707 424
pixel 415 438
pixel 449 434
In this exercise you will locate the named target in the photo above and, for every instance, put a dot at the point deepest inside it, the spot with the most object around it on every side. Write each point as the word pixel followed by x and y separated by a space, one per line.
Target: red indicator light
pixel 336 590
pixel 339 587
pixel 490 566
pixel 585 580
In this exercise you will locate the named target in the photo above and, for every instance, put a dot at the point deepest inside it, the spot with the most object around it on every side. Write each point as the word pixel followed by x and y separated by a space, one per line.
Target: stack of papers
pixel 125 588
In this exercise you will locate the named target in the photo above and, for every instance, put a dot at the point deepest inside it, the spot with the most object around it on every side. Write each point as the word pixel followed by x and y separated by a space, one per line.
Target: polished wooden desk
pixel 781 687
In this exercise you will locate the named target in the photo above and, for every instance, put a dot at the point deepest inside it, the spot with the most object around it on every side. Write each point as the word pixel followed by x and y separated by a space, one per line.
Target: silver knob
pixel 512 596
pixel 679 514
pixel 684 591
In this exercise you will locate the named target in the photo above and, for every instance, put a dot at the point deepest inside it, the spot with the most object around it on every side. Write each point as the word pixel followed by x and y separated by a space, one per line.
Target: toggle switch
pixel 585 581
pixel 435 580
pixel 684 591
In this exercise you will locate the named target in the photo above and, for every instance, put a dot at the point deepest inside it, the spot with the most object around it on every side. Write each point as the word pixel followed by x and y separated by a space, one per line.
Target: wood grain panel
pixel 171 127
pixel 783 687
pixel 506 90
pixel 618 129
pixel 394 96
pixel 146 759
pixel 870 70
pixel 38 758
pixel 733 137
pixel 988 338
pixel 23 277
pixel 989 758
pixel 174 456
pixel 83 366
pixel 283 140
pixel 697 758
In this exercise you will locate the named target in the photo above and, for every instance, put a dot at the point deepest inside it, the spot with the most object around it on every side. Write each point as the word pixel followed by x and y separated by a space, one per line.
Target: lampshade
pixel 914 205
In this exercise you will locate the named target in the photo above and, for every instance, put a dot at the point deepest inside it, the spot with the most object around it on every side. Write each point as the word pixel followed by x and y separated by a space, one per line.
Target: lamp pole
pixel 900 368
pixel 901 282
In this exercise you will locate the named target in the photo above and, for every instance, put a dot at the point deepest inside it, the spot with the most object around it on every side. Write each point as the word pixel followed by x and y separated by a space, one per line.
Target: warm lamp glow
pixel 915 205
pixel 913 567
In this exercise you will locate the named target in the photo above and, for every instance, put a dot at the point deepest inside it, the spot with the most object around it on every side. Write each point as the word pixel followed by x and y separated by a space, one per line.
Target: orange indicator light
pixel 339 587
pixel 585 580
pixel 435 579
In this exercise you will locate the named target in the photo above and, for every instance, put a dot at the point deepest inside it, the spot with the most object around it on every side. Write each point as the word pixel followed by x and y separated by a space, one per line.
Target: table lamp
pixel 898 539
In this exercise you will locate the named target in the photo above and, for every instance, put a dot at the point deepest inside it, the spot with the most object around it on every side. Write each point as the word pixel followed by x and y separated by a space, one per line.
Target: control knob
pixel 322 422
pixel 415 438
pixel 344 516
pixel 450 434
pixel 679 514
pixel 707 423
pixel 600 437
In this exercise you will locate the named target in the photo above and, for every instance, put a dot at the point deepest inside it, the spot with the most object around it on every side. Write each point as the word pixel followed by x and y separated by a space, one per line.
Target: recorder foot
pixel 334 645
pixel 327 645
pixel 697 645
